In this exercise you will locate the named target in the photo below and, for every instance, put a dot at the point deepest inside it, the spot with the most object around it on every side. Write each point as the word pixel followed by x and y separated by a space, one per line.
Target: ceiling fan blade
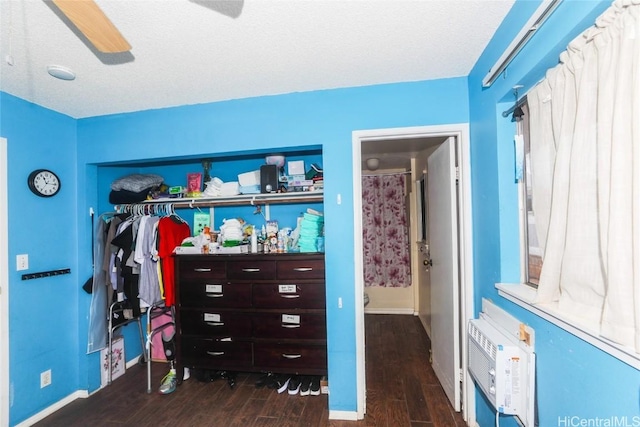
pixel 94 24
pixel 230 8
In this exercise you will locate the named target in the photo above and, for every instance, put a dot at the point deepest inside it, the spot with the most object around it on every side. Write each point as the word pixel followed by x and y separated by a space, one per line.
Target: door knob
pixel 427 262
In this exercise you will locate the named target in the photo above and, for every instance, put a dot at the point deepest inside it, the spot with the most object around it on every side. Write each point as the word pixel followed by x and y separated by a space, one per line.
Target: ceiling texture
pixel 199 51
pixel 186 52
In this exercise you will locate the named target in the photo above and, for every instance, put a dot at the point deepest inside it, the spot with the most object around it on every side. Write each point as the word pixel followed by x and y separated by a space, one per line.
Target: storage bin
pixel 248 179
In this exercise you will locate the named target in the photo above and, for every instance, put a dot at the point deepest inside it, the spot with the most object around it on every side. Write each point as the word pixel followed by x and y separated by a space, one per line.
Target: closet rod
pixel 387 173
pixel 518 103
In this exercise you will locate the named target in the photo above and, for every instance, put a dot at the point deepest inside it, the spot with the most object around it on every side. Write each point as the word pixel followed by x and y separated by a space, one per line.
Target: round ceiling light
pixel 373 163
pixel 60 72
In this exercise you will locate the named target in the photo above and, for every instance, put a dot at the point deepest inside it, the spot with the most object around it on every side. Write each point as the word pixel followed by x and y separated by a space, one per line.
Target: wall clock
pixel 44 183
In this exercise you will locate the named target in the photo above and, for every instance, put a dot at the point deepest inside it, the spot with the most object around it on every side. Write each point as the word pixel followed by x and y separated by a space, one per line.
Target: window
pixel 532 249
pixel 578 170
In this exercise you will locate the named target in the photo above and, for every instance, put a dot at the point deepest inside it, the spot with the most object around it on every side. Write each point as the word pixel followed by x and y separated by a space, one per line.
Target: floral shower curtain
pixel 385 235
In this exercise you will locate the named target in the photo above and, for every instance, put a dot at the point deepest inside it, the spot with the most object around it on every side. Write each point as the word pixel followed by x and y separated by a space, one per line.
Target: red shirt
pixel 171 233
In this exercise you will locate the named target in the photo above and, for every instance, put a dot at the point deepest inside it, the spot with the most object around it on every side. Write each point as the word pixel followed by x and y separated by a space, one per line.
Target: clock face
pixel 44 183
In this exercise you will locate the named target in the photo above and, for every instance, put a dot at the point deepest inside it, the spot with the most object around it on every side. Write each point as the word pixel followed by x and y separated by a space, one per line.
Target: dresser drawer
pixel 204 268
pixel 205 352
pixel 309 326
pixel 301 269
pixel 290 358
pixel 215 294
pixel 251 270
pixel 272 295
pixel 214 323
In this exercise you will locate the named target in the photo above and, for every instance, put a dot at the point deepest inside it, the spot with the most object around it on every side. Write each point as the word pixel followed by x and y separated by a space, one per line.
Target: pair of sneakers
pixel 305 385
pixel 293 384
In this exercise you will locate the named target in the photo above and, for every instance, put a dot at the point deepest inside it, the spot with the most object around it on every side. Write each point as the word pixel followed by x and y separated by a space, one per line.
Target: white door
pixel 443 245
pixel 4 290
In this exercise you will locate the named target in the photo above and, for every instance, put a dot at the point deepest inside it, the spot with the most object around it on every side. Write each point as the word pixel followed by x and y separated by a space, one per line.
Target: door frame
pixel 4 286
pixel 463 153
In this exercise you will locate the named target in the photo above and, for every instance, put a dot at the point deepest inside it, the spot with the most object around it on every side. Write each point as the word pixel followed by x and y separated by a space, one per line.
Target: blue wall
pixel 45 313
pixel 322 119
pixel 89 153
pixel 574 378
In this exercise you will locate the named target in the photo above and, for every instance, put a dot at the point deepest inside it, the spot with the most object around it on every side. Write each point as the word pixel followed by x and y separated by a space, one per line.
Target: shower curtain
pixel 385 235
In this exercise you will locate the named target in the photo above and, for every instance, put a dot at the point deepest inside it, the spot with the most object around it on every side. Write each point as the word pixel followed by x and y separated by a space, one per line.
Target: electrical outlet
pixel 22 262
pixel 45 378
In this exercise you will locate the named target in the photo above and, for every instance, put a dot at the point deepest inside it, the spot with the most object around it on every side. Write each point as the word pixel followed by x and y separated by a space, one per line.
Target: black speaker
pixel 268 178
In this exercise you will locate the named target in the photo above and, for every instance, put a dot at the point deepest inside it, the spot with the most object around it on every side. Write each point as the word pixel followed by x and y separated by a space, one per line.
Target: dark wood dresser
pixel 251 312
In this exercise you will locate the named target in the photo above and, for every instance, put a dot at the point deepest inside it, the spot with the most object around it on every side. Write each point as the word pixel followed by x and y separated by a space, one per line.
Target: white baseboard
pixel 343 415
pixel 388 311
pixel 133 362
pixel 80 394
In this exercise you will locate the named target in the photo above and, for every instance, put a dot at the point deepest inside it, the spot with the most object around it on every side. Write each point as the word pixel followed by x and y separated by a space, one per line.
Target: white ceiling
pixel 191 52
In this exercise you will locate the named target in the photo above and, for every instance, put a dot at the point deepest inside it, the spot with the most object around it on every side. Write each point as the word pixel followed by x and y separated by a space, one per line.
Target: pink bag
pixel 157 349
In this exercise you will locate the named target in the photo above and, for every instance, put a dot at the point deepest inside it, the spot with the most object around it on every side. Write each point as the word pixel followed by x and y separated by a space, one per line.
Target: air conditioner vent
pixel 483 342
pixel 503 369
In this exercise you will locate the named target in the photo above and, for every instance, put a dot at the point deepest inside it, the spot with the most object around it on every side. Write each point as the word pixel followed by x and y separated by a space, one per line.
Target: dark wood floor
pixel 402 390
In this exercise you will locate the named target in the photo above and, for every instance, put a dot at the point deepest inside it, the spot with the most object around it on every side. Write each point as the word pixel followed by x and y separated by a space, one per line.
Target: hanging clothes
pixel 171 232
pixel 149 284
pixel 97 339
pixel 127 273
pixel 133 265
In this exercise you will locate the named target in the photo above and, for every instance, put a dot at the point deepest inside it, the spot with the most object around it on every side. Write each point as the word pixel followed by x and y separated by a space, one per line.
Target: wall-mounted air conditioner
pixel 502 363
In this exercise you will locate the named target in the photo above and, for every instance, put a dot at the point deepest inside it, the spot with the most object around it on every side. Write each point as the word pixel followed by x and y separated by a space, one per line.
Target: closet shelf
pixel 243 199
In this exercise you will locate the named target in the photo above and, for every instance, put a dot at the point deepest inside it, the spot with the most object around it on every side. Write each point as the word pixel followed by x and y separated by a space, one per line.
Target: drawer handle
pixel 290 296
pixel 215 323
pixel 214 295
pixel 291 356
pixel 290 325
pixel 251 270
pixel 215 353
pixel 202 270
pixel 303 269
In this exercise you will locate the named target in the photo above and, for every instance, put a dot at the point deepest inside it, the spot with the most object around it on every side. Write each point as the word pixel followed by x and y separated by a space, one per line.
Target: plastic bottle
pixel 280 244
pixel 206 233
pixel 254 241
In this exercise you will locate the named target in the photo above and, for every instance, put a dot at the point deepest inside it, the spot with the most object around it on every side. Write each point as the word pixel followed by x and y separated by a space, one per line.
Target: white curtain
pixel 585 160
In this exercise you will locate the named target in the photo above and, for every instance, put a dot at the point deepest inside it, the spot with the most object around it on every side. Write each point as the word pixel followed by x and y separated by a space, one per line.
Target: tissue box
pixel 249 179
pixel 118 362
pixel 182 250
pixel 240 249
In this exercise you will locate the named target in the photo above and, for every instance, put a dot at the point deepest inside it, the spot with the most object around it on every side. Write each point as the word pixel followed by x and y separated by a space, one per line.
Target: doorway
pixel 398 137
pixel 4 287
